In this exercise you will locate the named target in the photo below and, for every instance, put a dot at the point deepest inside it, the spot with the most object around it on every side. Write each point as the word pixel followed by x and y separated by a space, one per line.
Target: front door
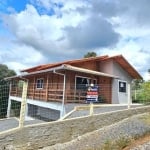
pixel 122 92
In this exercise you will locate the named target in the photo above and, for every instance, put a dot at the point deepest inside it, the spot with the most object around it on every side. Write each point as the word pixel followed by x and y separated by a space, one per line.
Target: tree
pixel 4 88
pixel 5 72
pixel 143 93
pixel 137 84
pixel 149 71
pixel 136 87
pixel 90 54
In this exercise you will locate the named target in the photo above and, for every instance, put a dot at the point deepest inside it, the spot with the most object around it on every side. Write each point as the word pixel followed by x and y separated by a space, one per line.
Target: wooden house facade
pixel 54 85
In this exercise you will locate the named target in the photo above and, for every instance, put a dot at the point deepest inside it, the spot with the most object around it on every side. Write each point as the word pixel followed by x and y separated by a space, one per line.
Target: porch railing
pixel 55 93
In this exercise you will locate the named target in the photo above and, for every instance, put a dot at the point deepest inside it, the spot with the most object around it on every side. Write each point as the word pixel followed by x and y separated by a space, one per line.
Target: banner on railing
pixel 92 93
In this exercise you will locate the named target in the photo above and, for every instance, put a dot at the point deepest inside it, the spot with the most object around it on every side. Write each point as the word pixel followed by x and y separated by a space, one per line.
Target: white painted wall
pixel 115 99
pixel 50 110
pixel 114 68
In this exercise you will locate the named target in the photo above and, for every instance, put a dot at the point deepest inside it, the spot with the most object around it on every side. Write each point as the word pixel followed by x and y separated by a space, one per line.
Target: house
pixel 52 86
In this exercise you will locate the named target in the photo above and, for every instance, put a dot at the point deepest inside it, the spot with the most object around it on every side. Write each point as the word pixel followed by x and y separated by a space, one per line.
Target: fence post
pixel 129 96
pixel 91 108
pixel 23 104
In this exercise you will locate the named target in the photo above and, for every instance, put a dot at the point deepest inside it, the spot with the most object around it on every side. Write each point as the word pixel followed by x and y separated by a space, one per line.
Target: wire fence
pixel 23 103
pixel 4 95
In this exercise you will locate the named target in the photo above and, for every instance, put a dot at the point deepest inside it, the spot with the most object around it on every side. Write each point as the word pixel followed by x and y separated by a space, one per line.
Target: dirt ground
pixel 139 141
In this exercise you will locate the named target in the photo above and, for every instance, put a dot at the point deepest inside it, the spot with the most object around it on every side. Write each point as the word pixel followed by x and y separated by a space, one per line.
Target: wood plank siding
pixel 53 88
pixel 105 89
pixel 88 65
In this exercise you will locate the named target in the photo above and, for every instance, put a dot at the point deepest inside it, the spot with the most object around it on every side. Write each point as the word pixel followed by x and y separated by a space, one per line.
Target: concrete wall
pixel 43 113
pixel 120 97
pixel 38 136
pixel 107 67
pixel 48 113
pixel 50 110
pixel 115 98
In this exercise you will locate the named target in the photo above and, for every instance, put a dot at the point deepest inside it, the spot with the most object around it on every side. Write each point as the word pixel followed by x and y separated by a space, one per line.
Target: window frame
pixel 40 85
pixel 83 77
pixel 124 88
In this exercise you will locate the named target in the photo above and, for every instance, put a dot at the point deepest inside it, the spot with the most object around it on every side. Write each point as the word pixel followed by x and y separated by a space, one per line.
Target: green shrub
pixel 142 95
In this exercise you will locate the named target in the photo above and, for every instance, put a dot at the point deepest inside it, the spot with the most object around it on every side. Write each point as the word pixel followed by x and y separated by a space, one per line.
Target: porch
pixel 54 92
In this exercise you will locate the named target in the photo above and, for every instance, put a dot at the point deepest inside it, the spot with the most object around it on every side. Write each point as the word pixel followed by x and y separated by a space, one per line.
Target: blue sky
pixel 18 5
pixel 34 32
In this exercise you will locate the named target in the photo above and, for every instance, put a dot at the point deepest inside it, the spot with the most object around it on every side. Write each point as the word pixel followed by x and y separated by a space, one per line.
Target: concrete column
pixel 63 111
pixel 9 102
pixel 9 107
pixel 26 112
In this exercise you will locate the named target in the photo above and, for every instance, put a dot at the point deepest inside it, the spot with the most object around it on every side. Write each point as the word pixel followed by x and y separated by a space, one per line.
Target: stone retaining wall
pixel 38 136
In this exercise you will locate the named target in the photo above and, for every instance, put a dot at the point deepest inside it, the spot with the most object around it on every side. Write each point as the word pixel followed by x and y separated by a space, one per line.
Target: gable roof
pixel 126 66
pixel 118 58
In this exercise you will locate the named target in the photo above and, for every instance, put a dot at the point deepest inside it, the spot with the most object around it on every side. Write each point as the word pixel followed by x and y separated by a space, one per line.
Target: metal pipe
pixel 64 85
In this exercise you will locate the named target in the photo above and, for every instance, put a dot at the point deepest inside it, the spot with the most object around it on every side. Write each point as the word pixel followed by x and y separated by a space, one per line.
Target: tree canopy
pixel 5 72
pixel 90 54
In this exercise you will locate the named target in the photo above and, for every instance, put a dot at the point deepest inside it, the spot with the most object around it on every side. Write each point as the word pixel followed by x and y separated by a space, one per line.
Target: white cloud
pixel 18 56
pixel 146 76
pixel 131 50
pixel 42 32
pixel 55 30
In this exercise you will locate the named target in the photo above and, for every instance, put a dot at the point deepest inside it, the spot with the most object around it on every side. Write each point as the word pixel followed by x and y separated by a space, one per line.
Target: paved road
pixel 99 110
pixel 6 124
pixel 10 123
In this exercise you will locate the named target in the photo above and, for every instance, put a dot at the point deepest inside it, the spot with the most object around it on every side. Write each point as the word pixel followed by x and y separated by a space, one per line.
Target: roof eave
pixel 66 67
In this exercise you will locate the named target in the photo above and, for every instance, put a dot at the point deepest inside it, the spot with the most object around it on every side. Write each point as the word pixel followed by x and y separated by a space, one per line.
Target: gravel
pixel 128 128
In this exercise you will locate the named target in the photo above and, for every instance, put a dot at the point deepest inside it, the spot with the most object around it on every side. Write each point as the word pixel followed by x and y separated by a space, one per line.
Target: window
pixel 39 83
pixel 82 82
pixel 122 86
